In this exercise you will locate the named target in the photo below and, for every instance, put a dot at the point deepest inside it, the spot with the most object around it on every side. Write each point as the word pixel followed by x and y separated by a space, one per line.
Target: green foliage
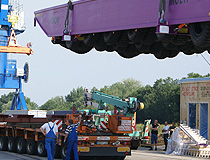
pixel 122 89
pixel 196 75
pixel 6 101
pixel 6 106
pixel 31 105
pixel 75 97
pixel 161 101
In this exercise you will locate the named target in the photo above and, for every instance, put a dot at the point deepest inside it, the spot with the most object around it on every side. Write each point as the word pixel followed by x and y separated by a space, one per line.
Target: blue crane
pixel 11 23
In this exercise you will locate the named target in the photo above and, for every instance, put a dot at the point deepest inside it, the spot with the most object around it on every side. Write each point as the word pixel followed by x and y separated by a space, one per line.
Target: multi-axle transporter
pixel 21 134
pixel 161 27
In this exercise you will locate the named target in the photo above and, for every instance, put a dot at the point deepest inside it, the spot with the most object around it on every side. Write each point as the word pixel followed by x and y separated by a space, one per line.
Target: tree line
pixel 161 100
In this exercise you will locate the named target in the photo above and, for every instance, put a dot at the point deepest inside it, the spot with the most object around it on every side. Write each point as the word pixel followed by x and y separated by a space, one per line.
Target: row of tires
pixel 131 43
pixel 31 147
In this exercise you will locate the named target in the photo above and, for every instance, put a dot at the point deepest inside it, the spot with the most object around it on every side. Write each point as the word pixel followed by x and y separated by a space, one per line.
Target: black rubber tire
pixel 31 147
pixel 200 34
pixel 165 37
pixel 110 48
pixel 150 37
pixel 169 46
pixel 57 151
pixel 186 49
pixel 127 52
pixel 3 143
pixel 90 39
pixel 100 45
pixel 143 48
pixel 159 51
pixel 135 144
pixel 190 49
pixel 173 53
pixel 78 47
pixel 137 35
pixel 63 151
pixel 21 146
pixel 63 44
pixel 123 40
pixel 41 151
pixel 12 144
pixel 180 40
pixel 111 38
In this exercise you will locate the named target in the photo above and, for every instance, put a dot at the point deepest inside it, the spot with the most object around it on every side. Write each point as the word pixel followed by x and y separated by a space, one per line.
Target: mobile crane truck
pixel 160 27
pixel 21 134
pixel 127 107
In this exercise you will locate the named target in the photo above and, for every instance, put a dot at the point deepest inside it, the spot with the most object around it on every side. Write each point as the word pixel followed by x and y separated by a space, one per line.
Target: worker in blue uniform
pixel 72 139
pixel 50 131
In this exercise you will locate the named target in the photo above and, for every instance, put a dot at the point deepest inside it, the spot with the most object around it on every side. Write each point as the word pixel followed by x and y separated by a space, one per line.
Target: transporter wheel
pixel 159 51
pixel 150 37
pixel 57 151
pixel 169 46
pixel 78 47
pixel 180 40
pixel 3 144
pixel 190 49
pixel 21 146
pixel 100 45
pixel 123 40
pixel 172 53
pixel 127 52
pixel 143 48
pixel 111 37
pixel 165 37
pixel 110 48
pixel 63 151
pixel 31 147
pixel 200 34
pixel 137 35
pixel 90 39
pixel 12 144
pixel 186 49
pixel 41 151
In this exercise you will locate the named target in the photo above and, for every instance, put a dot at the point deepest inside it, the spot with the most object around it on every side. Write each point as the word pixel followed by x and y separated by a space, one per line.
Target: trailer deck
pixel 130 28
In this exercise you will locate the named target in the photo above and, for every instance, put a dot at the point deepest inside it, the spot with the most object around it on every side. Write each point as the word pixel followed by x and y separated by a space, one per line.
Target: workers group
pixel 50 131
pixel 167 132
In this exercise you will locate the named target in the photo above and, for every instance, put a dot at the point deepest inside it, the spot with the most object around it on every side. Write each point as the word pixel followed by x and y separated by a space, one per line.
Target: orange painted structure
pixel 21 134
pixel 14 47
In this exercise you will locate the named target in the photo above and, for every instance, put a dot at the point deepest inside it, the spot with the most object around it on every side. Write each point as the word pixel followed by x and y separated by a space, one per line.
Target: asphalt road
pixel 142 154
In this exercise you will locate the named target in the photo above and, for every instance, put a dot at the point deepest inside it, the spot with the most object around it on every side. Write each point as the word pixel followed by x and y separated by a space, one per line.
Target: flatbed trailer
pixel 163 28
pixel 29 139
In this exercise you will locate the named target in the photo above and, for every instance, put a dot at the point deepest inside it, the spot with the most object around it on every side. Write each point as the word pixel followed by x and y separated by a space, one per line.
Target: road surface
pixel 142 154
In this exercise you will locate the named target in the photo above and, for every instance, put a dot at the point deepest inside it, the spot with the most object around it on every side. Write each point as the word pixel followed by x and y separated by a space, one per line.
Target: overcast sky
pixel 54 71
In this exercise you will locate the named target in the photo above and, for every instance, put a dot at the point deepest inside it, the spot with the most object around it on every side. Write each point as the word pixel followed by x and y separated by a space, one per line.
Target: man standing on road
pixel 165 131
pixel 171 128
pixel 51 133
pixel 72 139
pixel 154 129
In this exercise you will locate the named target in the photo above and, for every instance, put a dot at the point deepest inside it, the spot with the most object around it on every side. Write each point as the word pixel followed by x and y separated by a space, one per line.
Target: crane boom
pixel 129 105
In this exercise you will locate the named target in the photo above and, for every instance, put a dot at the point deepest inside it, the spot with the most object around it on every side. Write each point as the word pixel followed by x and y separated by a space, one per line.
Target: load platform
pixel 137 27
